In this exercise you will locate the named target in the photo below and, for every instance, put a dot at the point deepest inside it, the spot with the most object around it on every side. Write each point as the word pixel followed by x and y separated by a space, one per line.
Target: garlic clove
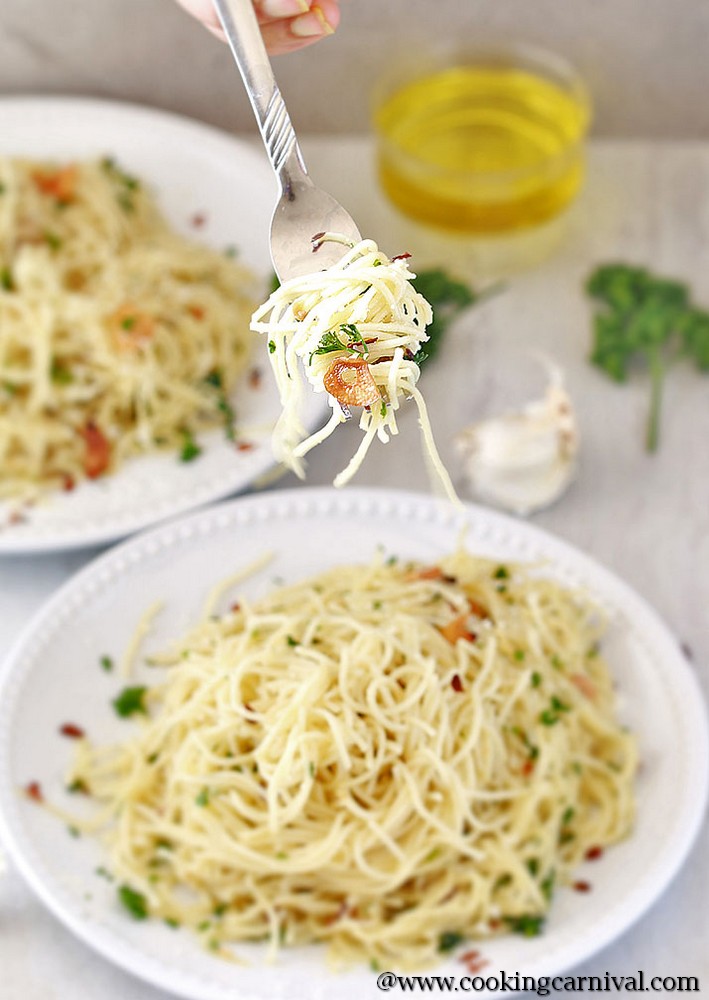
pixel 523 461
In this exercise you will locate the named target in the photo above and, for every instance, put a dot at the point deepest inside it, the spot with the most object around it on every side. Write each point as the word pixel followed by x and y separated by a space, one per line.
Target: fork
pixel 303 212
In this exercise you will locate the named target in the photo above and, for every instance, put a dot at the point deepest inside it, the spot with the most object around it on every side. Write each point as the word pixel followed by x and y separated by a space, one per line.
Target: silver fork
pixel 303 210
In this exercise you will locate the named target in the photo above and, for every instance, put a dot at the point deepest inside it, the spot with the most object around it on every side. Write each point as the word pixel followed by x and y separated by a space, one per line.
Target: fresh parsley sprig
pixel 642 317
pixel 332 341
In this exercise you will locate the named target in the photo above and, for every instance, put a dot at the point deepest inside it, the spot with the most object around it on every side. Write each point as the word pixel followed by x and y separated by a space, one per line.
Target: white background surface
pixel 646 61
pixel 645 517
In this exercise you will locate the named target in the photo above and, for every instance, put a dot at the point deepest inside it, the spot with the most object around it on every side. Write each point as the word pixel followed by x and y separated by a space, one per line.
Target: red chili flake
pixel 245 446
pixel 401 256
pixel 494 924
pixel 196 311
pixel 72 731
pixel 527 767
pixel 476 965
pixel 470 956
pixel 582 886
pixel 97 455
pixel 34 791
pixel 198 220
pixel 235 606
pixel 68 483
pixel 17 517
pixel 594 853
pixel 456 683
pixel 255 377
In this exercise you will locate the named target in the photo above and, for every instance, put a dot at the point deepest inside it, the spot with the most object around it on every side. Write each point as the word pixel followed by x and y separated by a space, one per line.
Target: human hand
pixel 286 25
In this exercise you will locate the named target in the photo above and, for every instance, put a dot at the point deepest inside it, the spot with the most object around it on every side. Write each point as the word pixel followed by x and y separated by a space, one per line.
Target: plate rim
pixel 143 546
pixel 75 537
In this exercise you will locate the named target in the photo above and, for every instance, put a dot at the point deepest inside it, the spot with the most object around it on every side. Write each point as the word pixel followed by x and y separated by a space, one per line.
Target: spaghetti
pixel 117 336
pixel 385 758
pixel 356 330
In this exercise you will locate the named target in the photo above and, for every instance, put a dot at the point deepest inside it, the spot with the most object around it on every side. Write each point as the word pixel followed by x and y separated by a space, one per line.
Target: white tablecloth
pixel 645 517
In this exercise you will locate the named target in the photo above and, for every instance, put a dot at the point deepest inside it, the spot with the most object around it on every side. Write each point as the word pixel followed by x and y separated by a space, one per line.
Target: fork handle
pixel 243 33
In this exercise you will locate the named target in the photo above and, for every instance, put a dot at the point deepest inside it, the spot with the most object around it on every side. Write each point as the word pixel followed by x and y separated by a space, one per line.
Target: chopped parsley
pixel 536 679
pixel 547 885
pixel 6 279
pixel 60 374
pixel 449 940
pixel 106 663
pixel 134 902
pixel 501 573
pixel 130 701
pixel 291 641
pixel 53 241
pixel 272 347
pixel 227 411
pixel 331 341
pixel 190 449
pixel 171 922
pixel 78 787
pixel 527 925
pixel 568 815
pixel 550 716
pixel 519 655
pixel 533 866
pixel 203 798
pixel 214 378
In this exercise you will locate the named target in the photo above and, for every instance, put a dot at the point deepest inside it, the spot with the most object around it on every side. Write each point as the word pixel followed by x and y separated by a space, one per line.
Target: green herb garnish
pixel 106 663
pixel 53 241
pixel 536 679
pixel 6 279
pixel 130 702
pixel 190 449
pixel 214 378
pixel 550 716
pixel 134 902
pixel 568 815
pixel 291 641
pixel 449 940
pixel 272 347
pixel 533 866
pixel 547 885
pixel 332 341
pixel 527 925
pixel 501 573
pixel 645 318
pixel 60 374
pixel 203 798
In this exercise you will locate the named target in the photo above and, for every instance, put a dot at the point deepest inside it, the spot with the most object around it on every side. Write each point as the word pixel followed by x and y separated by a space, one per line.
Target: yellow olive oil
pixel 482 148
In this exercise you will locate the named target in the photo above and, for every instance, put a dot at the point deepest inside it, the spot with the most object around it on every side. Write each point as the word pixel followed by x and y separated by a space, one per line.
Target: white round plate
pixel 195 172
pixel 53 676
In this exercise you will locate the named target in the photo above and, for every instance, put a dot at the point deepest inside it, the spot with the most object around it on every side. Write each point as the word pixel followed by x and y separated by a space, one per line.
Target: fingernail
pixel 311 24
pixel 284 8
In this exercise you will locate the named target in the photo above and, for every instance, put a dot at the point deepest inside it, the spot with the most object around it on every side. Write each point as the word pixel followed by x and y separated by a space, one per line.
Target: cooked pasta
pixel 117 336
pixel 388 759
pixel 356 330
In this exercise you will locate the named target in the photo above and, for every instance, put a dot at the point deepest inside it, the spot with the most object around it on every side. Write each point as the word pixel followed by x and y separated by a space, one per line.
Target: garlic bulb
pixel 523 461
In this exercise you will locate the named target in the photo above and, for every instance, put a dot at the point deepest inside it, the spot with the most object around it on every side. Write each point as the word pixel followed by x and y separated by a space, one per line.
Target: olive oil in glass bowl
pixel 485 144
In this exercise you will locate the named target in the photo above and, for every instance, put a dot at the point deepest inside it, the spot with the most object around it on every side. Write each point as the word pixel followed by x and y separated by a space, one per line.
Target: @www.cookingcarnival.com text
pixel 504 982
